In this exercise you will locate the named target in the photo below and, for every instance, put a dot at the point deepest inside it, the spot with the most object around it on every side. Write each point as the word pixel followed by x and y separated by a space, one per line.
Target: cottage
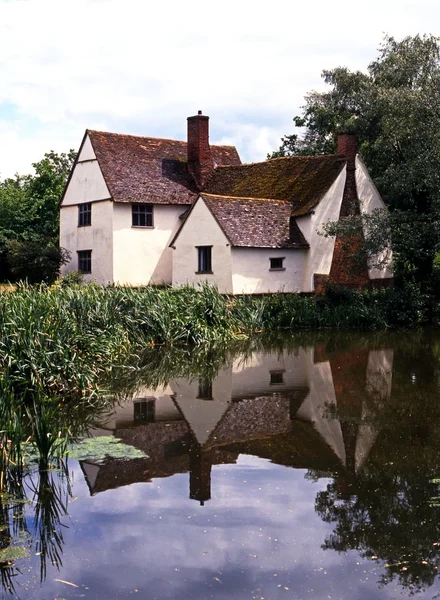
pixel 139 210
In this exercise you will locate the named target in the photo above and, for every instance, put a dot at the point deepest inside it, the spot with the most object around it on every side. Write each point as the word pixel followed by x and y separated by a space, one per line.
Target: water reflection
pixel 281 406
pixel 359 416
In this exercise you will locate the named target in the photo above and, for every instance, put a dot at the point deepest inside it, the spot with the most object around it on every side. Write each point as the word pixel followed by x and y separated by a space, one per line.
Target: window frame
pixel 81 257
pixel 205 389
pixel 277 377
pixel 139 210
pixel 277 258
pixel 144 409
pixel 201 259
pixel 85 214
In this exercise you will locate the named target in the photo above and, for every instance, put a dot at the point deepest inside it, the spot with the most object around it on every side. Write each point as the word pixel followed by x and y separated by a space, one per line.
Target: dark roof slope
pixel 302 180
pixel 150 170
pixel 256 222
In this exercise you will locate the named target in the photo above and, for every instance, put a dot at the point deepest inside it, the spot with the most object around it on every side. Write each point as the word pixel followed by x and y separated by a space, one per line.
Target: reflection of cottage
pixel 140 210
pixel 294 409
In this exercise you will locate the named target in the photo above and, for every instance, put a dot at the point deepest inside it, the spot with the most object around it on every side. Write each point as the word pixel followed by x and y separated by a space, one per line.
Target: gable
pixel 256 222
pixel 86 182
pixel 200 227
pixel 86 151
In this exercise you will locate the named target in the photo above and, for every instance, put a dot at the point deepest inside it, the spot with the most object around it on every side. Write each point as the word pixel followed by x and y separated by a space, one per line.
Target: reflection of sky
pixel 257 536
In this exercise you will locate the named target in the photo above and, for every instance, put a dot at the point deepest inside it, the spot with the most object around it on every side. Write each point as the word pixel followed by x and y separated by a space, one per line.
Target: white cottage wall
pixel 370 200
pixel 86 152
pixel 98 237
pixel 201 229
pixel 87 184
pixel 320 255
pixel 141 254
pixel 251 272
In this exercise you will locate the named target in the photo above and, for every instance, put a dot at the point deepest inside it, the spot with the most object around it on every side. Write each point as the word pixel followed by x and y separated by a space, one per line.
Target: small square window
pixel 142 215
pixel 144 410
pixel 276 377
pixel 276 264
pixel 85 261
pixel 84 214
pixel 204 259
pixel 205 389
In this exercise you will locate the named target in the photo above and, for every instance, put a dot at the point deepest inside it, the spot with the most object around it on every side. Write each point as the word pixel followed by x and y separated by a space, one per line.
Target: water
pixel 304 469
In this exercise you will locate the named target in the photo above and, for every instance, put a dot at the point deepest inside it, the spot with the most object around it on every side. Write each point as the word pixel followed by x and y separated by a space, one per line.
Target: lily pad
pixel 102 447
pixel 11 553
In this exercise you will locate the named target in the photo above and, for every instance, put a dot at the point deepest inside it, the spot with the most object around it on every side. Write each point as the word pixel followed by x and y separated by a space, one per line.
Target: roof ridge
pixel 282 158
pixel 151 137
pixel 244 197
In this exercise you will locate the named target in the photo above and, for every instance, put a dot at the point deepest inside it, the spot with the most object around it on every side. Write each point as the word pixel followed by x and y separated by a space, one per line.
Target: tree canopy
pixel 29 220
pixel 394 109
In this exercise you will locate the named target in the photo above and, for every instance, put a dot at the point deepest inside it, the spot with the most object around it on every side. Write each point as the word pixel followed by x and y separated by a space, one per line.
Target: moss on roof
pixel 301 180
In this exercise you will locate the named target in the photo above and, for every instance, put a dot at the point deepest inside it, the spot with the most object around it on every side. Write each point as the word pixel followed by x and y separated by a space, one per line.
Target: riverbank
pixel 62 340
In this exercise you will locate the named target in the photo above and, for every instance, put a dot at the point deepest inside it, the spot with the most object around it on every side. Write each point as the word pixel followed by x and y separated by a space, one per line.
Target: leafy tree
pixel 394 108
pixel 29 220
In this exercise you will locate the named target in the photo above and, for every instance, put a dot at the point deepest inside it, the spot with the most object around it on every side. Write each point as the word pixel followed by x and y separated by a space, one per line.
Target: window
pixel 204 256
pixel 85 261
pixel 144 410
pixel 276 377
pixel 84 214
pixel 276 264
pixel 142 215
pixel 205 390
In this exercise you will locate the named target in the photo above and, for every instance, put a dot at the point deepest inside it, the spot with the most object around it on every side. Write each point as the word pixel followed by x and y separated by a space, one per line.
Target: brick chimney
pixel 344 270
pixel 347 145
pixel 199 152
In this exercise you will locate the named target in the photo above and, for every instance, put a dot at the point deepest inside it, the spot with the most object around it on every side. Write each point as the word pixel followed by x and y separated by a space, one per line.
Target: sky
pixel 143 67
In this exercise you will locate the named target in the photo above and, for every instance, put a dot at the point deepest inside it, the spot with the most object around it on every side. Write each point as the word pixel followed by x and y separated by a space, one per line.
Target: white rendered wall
pixel 142 254
pixel 319 259
pixel 98 238
pixel 370 200
pixel 87 183
pixel 251 272
pixel 86 152
pixel 201 229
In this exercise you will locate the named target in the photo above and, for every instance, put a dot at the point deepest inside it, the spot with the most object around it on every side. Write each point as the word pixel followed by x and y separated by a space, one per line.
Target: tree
pixel 29 220
pixel 394 109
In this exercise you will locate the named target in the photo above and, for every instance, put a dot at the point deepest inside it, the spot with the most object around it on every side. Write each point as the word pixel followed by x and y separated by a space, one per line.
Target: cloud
pixel 139 67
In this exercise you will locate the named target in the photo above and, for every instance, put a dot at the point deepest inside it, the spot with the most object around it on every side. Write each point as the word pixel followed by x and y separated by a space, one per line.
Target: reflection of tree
pixel 390 518
pixel 386 511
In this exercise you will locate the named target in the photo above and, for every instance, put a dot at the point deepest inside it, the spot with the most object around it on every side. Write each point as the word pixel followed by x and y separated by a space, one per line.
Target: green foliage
pixel 29 221
pixel 34 262
pixel 394 109
pixel 72 278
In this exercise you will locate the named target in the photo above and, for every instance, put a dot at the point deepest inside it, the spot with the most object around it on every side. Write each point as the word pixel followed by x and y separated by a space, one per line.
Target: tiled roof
pixel 301 180
pixel 256 222
pixel 150 170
